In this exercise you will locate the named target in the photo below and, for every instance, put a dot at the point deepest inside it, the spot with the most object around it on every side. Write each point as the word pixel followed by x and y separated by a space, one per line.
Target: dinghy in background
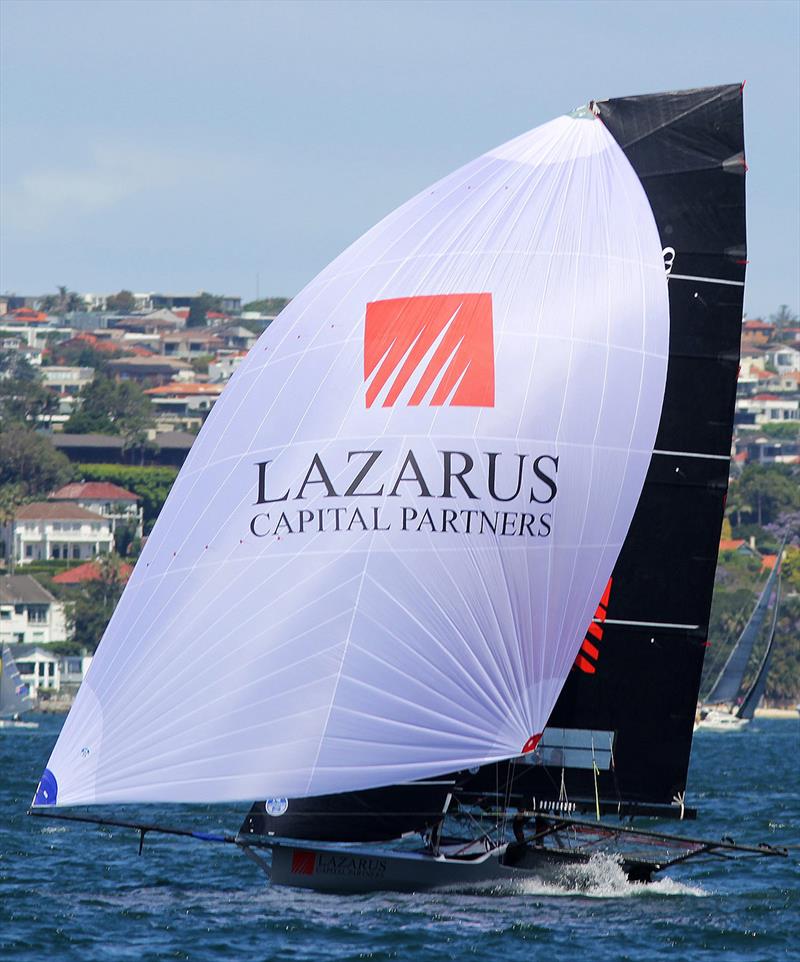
pixel 15 699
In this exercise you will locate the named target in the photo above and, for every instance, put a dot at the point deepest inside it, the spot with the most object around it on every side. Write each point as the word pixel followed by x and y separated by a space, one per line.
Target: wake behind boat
pixel 429 495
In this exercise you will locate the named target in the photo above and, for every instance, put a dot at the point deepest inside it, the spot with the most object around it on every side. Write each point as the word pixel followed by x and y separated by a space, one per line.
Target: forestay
pixel 383 551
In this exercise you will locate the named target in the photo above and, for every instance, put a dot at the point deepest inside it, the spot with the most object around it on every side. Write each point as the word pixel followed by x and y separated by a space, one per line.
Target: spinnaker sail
pixel 379 560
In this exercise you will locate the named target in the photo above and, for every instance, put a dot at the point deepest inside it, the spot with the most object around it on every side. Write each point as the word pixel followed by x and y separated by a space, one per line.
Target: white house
pixel 183 406
pixel 52 530
pixel 29 614
pixel 67 380
pixel 120 506
pixel 786 359
pixel 45 672
pixel 766 409
pixel 224 364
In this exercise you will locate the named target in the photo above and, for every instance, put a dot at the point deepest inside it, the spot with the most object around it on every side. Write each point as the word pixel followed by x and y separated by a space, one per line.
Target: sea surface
pixel 83 893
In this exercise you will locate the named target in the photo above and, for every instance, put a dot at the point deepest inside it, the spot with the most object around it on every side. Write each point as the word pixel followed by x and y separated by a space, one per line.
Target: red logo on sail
pixel 590 653
pixel 434 349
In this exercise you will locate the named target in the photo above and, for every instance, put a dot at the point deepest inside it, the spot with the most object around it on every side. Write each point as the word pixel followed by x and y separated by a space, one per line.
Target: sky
pixel 238 147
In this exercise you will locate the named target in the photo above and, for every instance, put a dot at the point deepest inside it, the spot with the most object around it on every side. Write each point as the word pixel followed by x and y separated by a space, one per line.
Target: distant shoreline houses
pixel 183 370
pixel 76 523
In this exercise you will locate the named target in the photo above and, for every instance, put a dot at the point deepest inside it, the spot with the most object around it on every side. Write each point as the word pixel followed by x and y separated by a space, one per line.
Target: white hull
pixel 721 721
pixel 14 723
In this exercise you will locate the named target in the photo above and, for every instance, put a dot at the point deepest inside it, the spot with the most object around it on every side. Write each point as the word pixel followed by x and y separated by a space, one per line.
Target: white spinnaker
pixel 244 662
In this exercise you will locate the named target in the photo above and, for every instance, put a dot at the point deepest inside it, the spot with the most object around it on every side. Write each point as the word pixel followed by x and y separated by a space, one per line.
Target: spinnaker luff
pixel 380 558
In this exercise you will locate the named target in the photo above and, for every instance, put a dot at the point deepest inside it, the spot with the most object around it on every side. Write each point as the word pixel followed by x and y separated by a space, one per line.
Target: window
pixel 19 609
pixel 76 551
pixel 28 550
pixel 19 638
pixel 37 614
pixel 74 666
pixel 5 614
pixel 26 667
pixel 56 551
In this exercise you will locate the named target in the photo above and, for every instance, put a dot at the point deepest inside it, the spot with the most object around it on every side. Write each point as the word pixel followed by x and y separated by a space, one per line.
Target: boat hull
pixel 721 721
pixel 358 870
pixel 14 723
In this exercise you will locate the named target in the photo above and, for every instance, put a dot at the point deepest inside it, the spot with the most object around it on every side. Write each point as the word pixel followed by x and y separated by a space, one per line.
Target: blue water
pixel 82 893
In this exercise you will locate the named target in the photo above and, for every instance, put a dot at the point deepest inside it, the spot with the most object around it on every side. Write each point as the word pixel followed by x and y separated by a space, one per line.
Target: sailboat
pixel 15 698
pixel 723 710
pixel 453 519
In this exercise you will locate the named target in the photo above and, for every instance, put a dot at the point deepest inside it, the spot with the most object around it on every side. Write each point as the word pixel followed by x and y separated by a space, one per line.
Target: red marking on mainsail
pixel 595 630
pixel 399 334
pixel 588 648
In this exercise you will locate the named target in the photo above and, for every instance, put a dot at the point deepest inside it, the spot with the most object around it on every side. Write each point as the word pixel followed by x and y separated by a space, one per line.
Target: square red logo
pixel 303 862
pixel 435 349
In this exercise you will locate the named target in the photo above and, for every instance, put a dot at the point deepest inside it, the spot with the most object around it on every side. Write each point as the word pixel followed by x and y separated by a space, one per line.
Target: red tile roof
pixel 730 544
pixel 56 511
pixel 93 491
pixel 89 572
pixel 768 561
pixel 28 314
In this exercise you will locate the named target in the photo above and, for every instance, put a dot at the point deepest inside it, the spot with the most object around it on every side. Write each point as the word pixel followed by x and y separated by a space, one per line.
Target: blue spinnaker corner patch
pixel 47 789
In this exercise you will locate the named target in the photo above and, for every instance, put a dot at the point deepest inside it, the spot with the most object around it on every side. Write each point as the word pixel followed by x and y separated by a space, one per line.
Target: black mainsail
pixel 639 695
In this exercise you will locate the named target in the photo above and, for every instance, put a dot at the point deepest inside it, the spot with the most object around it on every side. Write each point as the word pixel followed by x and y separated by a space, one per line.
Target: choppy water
pixel 77 892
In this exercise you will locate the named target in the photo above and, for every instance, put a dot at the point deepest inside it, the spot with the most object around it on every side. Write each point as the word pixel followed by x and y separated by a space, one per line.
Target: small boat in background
pixel 15 698
pixel 724 710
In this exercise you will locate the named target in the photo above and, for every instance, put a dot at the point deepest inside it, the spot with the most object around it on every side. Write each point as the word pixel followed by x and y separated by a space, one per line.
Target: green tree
pixel 267 305
pixel 122 303
pixel 112 407
pixel 12 496
pixel 22 395
pixel 29 460
pixel 152 484
pixel 201 305
pixel 79 353
pixel 770 490
pixel 784 317
pixel 63 302
pixel 95 602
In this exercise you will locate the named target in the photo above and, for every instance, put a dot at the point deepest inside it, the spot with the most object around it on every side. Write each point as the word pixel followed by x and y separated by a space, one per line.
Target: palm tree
pixel 63 302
